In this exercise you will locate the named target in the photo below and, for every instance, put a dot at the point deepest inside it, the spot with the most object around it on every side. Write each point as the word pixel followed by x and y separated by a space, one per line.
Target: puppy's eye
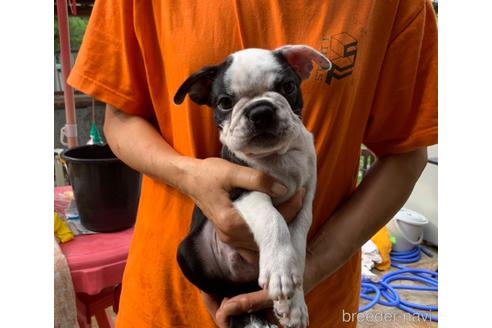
pixel 225 103
pixel 288 87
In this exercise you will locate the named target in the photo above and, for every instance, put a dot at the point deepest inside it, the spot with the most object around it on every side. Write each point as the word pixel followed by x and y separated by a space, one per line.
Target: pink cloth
pixel 97 261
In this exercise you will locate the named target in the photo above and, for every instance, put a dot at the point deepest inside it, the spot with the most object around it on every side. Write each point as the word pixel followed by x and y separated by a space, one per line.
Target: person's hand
pixel 246 303
pixel 209 182
pixel 222 310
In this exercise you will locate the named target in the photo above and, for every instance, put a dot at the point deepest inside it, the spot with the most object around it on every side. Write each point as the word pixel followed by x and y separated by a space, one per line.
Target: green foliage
pixel 77 29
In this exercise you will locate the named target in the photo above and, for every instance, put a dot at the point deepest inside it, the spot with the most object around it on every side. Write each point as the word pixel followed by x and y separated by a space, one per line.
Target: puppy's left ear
pixel 301 58
pixel 198 86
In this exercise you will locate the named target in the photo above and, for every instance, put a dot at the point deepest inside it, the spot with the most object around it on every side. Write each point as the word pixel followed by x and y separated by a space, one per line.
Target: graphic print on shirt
pixel 341 49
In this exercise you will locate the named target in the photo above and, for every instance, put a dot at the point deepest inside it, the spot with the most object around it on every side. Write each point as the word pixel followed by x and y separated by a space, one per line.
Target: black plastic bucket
pixel 106 190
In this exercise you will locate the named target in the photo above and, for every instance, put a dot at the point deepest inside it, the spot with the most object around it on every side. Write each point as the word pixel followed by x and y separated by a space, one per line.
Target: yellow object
pixel 62 230
pixel 383 243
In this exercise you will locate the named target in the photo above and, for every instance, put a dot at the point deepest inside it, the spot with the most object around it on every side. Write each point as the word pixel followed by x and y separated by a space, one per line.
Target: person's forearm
pixel 137 143
pixel 381 194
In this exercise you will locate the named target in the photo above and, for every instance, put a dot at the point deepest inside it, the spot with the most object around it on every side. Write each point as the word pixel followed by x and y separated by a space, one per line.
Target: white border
pixel 26 132
pixel 465 163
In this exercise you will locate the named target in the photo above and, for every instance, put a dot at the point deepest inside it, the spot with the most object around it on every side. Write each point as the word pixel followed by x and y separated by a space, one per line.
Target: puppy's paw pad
pixel 297 316
pixel 282 307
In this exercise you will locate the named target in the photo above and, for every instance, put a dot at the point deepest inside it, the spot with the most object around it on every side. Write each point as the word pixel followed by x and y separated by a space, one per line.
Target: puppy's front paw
pixel 292 313
pixel 279 273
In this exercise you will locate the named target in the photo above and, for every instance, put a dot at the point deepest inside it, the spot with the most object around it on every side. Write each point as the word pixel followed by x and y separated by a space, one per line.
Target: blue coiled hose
pixel 410 256
pixel 386 294
pixel 374 300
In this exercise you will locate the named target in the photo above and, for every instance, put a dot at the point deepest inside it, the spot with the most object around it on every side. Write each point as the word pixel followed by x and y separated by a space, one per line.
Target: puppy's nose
pixel 262 116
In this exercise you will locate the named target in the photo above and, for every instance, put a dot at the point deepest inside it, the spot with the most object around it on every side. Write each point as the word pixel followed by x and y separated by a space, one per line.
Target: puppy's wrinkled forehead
pixel 252 71
pixel 249 73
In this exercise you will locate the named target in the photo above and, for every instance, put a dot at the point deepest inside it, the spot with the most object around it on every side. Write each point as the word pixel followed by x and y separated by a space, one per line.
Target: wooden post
pixel 70 128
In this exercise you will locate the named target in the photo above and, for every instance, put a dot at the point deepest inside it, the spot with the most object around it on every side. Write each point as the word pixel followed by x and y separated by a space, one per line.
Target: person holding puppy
pixel 381 92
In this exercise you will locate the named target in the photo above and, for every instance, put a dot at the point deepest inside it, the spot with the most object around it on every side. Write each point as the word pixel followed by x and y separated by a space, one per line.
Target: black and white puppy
pixel 257 103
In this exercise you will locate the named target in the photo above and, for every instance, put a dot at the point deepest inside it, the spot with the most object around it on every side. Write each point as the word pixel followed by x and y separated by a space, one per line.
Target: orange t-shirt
pixel 382 91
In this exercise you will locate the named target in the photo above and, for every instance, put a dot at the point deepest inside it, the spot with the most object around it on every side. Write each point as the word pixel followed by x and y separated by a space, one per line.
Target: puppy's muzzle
pixel 262 116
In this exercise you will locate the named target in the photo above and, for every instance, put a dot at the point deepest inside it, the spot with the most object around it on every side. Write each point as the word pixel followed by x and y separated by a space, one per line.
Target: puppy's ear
pixel 198 86
pixel 300 57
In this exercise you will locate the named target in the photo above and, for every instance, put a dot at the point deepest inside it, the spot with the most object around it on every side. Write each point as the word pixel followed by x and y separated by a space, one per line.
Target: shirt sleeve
pixel 109 64
pixel 404 112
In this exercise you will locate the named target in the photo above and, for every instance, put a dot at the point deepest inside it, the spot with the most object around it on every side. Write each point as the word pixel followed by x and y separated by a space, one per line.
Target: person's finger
pixel 212 304
pixel 291 207
pixel 245 303
pixel 241 241
pixel 253 302
pixel 229 223
pixel 214 202
pixel 226 218
pixel 224 312
pixel 251 179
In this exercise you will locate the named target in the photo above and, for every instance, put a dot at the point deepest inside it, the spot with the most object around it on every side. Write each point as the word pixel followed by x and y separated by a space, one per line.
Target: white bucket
pixel 407 227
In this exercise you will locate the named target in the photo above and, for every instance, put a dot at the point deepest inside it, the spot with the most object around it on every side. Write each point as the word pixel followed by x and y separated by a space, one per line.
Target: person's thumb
pixel 246 303
pixel 251 179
